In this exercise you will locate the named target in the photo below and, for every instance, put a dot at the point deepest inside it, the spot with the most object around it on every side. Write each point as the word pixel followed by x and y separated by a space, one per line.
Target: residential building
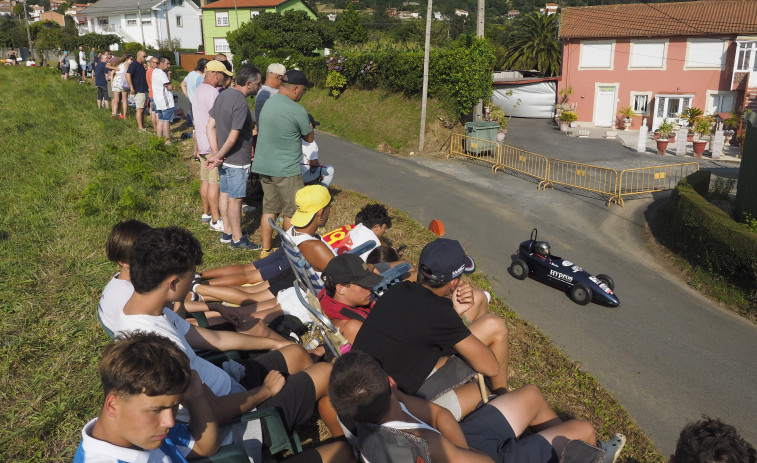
pixel 221 17
pixel 35 12
pixel 144 21
pixel 53 16
pixel 659 59
pixel 460 12
pixel 75 11
pixel 512 14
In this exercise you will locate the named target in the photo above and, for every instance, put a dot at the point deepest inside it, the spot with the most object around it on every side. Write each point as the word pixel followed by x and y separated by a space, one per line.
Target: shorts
pixel 233 181
pixel 64 70
pixel 278 194
pixel 273 265
pixel 487 430
pixel 210 176
pixel 152 106
pixel 281 282
pixel 102 93
pixel 165 115
pixel 140 100
pixel 295 401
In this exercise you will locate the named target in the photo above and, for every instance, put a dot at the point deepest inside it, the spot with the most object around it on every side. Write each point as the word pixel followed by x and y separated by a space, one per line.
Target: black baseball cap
pixel 312 120
pixel 349 268
pixel 297 77
pixel 443 260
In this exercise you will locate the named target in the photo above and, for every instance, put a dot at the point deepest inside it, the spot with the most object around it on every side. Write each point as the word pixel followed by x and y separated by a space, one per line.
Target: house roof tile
pixel 229 4
pixel 705 17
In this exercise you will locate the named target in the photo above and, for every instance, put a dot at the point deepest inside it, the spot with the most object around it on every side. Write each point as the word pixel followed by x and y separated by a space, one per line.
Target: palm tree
pixel 534 45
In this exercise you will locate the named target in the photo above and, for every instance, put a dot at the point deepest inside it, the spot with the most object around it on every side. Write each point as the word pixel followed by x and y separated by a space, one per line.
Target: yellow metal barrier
pixel 584 176
pixel 522 161
pixel 474 148
pixel 651 179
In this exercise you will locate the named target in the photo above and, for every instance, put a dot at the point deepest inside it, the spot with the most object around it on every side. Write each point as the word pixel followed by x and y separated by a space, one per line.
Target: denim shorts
pixel 165 115
pixel 233 180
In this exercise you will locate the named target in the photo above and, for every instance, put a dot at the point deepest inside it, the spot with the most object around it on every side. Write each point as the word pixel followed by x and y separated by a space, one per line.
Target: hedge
pixel 710 238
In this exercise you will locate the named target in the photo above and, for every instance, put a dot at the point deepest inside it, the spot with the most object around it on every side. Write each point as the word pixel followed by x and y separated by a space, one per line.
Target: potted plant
pixel 665 129
pixel 702 128
pixel 730 125
pixel 498 115
pixel 627 114
pixel 566 118
pixel 690 115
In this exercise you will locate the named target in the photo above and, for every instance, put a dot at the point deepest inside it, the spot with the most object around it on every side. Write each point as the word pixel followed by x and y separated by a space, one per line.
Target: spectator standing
pixel 93 60
pixel 136 76
pixel 204 96
pixel 101 82
pixel 82 62
pixel 164 104
pixel 120 86
pixel 283 125
pixel 65 65
pixel 230 136
pixel 153 64
pixel 273 77
pixel 188 86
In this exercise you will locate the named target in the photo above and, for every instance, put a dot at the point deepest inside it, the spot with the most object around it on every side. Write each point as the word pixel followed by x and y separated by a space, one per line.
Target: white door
pixel 604 112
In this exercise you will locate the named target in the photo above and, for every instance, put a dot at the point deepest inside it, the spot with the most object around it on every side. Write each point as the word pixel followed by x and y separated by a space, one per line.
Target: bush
pixel 708 237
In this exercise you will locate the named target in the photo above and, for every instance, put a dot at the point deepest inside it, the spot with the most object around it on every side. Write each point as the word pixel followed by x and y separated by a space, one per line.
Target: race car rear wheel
pixel 608 281
pixel 580 294
pixel 519 269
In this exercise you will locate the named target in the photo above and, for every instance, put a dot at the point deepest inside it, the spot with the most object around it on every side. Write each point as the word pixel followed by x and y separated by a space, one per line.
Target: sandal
pixel 613 447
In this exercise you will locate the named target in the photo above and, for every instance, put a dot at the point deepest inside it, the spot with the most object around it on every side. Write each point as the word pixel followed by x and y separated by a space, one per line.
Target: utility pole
pixel 426 54
pixel 478 110
pixel 168 29
pixel 28 32
pixel 141 27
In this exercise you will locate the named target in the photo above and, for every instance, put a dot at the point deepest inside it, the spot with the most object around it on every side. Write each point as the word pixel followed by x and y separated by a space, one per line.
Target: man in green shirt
pixel 283 125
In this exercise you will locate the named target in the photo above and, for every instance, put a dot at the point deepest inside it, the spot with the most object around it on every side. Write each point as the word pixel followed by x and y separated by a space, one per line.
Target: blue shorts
pixel 233 181
pixel 165 115
pixel 152 106
pixel 273 265
pixel 487 430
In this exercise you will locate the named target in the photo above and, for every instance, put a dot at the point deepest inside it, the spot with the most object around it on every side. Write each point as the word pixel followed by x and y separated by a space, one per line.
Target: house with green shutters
pixel 221 17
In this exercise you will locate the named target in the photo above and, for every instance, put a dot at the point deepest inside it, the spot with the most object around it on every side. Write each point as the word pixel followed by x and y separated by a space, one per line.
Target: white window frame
pixel 221 45
pixel 222 19
pixel 663 64
pixel 147 19
pixel 721 93
pixel 253 14
pixel 179 21
pixel 649 102
pixel 177 2
pixel 691 61
pixel 586 48
pixel 130 19
pixel 751 61
pixel 102 21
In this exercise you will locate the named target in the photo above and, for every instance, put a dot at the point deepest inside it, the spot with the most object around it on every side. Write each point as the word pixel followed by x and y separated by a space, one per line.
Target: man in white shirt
pixel 163 97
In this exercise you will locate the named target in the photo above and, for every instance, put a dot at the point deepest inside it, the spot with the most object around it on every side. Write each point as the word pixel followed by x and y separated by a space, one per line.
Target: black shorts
pixel 296 400
pixel 102 93
pixel 487 430
pixel 273 265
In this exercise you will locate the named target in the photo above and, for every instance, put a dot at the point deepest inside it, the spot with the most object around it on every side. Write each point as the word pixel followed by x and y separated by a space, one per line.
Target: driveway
pixel 668 354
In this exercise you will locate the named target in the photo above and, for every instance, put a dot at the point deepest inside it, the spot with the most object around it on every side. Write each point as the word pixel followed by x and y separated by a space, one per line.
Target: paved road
pixel 668 354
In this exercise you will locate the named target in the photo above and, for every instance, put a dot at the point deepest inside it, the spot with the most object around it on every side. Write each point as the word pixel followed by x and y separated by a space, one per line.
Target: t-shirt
pixel 115 295
pixel 148 74
pixel 82 58
pixel 264 93
pixel 138 76
pixel 231 112
pixel 101 74
pixel 335 310
pixel 410 327
pixel 162 96
pixel 174 448
pixel 204 97
pixel 175 328
pixel 282 123
pixel 309 153
pixel 191 80
pixel 64 63
pixel 199 79
pixel 351 236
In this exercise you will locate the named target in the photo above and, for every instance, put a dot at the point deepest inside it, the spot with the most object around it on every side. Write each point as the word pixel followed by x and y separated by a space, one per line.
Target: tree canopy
pixel 533 44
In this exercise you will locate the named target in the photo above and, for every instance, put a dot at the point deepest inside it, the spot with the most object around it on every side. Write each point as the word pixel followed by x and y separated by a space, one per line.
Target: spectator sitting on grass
pixel 362 392
pixel 712 441
pixel 162 265
pixel 144 377
pixel 120 289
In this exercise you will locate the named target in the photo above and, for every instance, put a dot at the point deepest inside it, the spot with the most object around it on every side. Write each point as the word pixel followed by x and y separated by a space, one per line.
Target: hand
pixel 273 383
pixel 230 315
pixel 462 298
pixel 195 387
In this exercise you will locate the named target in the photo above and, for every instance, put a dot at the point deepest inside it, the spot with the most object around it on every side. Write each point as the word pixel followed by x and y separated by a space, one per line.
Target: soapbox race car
pixel 536 260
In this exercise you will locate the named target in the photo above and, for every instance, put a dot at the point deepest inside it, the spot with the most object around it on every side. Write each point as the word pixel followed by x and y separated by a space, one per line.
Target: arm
pixel 231 406
pixel 317 253
pixel 217 157
pixel 480 357
pixel 184 86
pixel 131 85
pixel 205 339
pixel 203 425
pixel 435 416
pixel 309 137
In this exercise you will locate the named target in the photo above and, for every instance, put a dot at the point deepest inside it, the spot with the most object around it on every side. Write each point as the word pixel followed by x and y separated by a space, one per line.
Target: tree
pixel 18 10
pixel 12 33
pixel 534 44
pixel 63 7
pixel 348 29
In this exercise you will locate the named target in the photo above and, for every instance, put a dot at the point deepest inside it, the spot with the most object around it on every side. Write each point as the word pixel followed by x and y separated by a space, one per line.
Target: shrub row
pixel 710 238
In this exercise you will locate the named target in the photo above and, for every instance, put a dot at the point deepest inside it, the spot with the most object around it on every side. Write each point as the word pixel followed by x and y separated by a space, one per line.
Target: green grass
pixel 64 185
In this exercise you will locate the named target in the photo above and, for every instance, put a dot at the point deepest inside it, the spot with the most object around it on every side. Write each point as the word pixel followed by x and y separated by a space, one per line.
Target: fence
pixel 613 185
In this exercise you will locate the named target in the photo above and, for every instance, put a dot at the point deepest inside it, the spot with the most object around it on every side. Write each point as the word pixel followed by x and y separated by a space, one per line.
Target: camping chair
pixel 382 444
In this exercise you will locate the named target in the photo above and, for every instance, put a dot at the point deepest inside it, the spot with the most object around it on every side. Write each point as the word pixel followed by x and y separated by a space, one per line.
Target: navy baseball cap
pixel 349 268
pixel 297 77
pixel 443 260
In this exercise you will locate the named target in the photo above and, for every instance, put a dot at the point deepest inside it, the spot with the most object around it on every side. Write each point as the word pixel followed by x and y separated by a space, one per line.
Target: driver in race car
pixel 542 250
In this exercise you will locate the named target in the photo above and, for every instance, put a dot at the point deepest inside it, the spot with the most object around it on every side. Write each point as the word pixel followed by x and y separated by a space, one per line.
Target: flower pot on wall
pixel 672 138
pixel 699 148
pixel 662 145
pixel 564 126
pixel 626 125
pixel 690 136
pixel 501 136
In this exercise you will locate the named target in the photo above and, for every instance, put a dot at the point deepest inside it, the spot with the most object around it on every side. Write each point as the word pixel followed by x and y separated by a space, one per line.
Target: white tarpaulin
pixel 537 100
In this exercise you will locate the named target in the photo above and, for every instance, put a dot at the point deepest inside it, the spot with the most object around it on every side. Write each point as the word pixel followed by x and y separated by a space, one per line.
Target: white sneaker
pixel 217 226
pixel 206 218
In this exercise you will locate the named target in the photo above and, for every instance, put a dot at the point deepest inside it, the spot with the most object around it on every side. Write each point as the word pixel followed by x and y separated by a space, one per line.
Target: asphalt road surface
pixel 668 354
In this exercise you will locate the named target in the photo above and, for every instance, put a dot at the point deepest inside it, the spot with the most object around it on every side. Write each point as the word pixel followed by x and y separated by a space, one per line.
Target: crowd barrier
pixel 610 183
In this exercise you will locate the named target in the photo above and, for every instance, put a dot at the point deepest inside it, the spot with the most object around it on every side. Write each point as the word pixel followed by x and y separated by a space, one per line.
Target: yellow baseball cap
pixel 309 200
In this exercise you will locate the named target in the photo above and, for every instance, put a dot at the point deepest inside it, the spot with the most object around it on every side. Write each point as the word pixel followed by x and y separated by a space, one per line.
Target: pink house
pixel 659 59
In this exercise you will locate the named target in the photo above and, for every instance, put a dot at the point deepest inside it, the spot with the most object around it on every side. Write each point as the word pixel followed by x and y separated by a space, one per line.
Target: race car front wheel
pixel 580 294
pixel 608 281
pixel 519 269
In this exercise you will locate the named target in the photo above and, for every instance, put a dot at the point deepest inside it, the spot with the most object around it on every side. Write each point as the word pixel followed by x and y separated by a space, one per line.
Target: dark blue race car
pixel 536 260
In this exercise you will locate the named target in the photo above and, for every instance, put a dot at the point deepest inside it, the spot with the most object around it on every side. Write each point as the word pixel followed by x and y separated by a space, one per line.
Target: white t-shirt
pixel 309 153
pixel 162 96
pixel 348 237
pixel 175 328
pixel 113 300
pixel 82 58
pixel 93 450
